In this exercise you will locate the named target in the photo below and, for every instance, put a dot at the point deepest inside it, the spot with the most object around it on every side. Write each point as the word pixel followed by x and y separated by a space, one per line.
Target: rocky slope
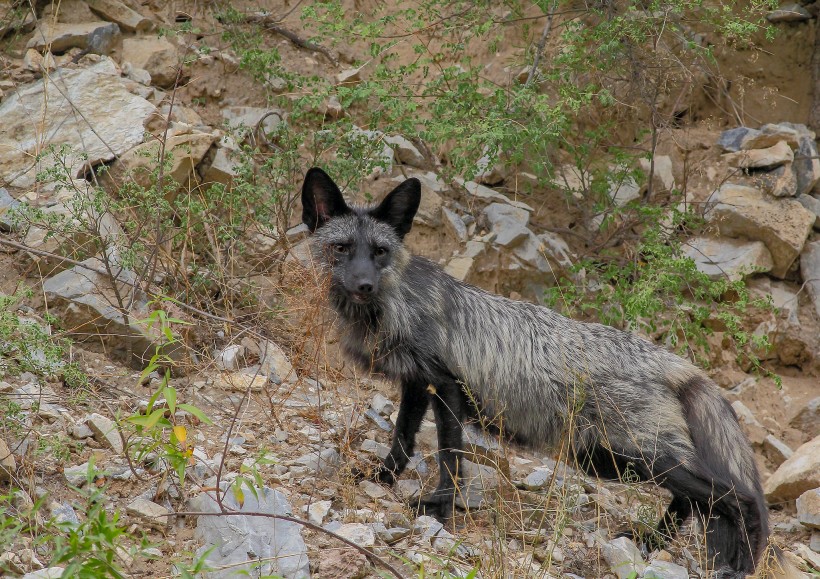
pixel 267 476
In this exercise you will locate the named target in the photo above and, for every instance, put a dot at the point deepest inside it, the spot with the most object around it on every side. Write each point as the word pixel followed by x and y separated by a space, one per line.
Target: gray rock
pixel 150 512
pixel 242 121
pixel 406 151
pixel 90 109
pixel 806 164
pixel 156 55
pixel 624 190
pixel 275 364
pixel 531 252
pixel 538 479
pixel 96 37
pixel 665 570
pixel 623 557
pixel 486 194
pixel 808 508
pixel 455 225
pixel 408 488
pixel 377 448
pixel 76 475
pixel 323 462
pixel 105 432
pixel 814 542
pixel 460 267
pixel 778 182
pixel 732 140
pixel 751 426
pixel 317 511
pixel 810 271
pixel 663 179
pixel 382 404
pixel 782 224
pixel 229 357
pixel 807 201
pixel 376 417
pixel 508 223
pixel 789 13
pixel 359 533
pixel 258 546
pixel 88 303
pixel 8 207
pixel 64 513
pixel 733 259
pixel 807 418
pixel 48 573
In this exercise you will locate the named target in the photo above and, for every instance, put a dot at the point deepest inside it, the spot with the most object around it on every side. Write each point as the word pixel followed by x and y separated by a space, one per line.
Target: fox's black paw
pixel 379 474
pixel 437 504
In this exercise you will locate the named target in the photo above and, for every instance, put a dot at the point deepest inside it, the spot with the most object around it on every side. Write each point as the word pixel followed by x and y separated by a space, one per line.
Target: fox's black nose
pixel 366 288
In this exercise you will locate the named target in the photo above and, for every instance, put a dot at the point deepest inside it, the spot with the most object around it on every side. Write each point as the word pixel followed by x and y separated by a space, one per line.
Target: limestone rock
pixel 139 164
pixel 90 109
pixel 797 475
pixel 8 205
pixel 665 570
pixel 405 151
pixel 779 182
pixel 728 258
pixel 106 432
pixel 751 426
pixel 243 120
pixel 15 19
pixel 57 37
pixel 8 465
pixel 790 13
pixel 624 557
pixel 807 418
pixel 777 451
pixel 455 225
pixel 156 55
pixel 662 178
pixel 275 364
pixel 624 189
pixel 810 271
pixel 341 564
pixel 770 157
pixel 323 462
pixel 359 533
pixel 486 194
pixel 808 508
pixel 508 223
pixel 125 17
pixel 250 544
pixel 150 512
pixel 460 267
pixel 782 224
pixel 88 303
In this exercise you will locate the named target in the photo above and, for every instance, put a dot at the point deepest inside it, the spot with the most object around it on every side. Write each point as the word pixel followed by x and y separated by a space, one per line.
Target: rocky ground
pixel 257 438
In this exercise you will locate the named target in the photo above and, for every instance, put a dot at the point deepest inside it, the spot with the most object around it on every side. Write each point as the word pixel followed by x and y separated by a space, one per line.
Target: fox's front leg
pixel 449 410
pixel 413 405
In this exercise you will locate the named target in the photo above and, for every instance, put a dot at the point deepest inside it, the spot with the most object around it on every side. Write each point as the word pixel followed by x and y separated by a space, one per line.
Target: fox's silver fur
pixel 620 399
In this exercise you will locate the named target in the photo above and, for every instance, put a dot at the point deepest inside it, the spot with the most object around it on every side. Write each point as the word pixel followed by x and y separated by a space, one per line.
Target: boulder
pixel 808 508
pixel 405 151
pixel 115 11
pixel 8 205
pixel 91 110
pixel 789 13
pixel 663 179
pixel 813 205
pixel 247 544
pixel 796 475
pixel 140 163
pixel 479 191
pixel 810 271
pixel 806 164
pixel 782 224
pixel 508 223
pixel 150 513
pixel 454 225
pixel 745 138
pixel 156 55
pixel 57 37
pixel 807 419
pixel 88 303
pixel 728 258
pixel 770 157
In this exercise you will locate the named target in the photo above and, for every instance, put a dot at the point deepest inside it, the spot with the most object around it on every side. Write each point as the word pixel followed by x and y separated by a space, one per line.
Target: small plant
pixel 158 427
pixel 93 547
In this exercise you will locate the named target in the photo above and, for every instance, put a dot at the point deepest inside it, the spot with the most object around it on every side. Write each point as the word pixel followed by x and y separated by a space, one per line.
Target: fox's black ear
pixel 400 206
pixel 321 199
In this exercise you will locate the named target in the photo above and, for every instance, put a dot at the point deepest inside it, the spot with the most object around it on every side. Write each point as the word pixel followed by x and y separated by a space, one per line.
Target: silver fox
pixel 626 403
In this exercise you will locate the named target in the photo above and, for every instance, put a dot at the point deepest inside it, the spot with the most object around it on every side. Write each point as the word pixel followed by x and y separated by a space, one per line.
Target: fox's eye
pixel 380 251
pixel 339 248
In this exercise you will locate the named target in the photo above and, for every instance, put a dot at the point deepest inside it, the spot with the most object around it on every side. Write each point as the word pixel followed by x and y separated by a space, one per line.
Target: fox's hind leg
pixel 448 406
pixel 413 405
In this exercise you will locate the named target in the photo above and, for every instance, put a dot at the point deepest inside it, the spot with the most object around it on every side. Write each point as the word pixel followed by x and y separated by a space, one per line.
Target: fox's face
pixel 361 247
